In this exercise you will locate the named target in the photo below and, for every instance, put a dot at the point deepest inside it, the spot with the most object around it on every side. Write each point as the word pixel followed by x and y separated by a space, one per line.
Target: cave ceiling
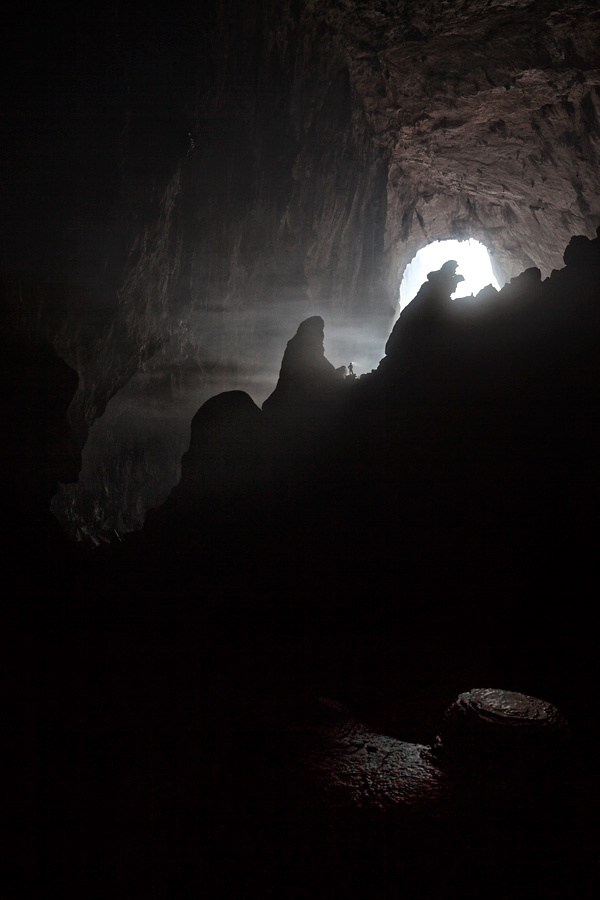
pixel 489 114
pixel 182 178
pixel 219 158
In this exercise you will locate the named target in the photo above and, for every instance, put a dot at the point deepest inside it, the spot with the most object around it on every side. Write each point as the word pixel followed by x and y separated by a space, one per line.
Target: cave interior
pixel 300 579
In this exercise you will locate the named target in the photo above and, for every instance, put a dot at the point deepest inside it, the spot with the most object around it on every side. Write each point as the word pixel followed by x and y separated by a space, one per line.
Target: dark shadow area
pixel 388 543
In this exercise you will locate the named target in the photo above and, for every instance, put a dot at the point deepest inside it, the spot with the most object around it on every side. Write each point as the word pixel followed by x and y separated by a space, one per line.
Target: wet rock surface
pixel 351 810
pixel 495 745
pixel 501 713
pixel 351 766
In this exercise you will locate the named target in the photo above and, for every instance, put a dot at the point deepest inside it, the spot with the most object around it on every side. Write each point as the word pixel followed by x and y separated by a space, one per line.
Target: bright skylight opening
pixel 474 265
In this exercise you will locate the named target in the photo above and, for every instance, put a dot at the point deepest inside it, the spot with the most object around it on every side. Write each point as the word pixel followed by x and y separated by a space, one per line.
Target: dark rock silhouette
pixel 308 385
pixel 436 531
pixel 428 309
pixel 384 541
pixel 37 388
pixel 581 251
pixel 448 449
pixel 486 293
pixel 229 452
pixel 37 450
pixel 336 200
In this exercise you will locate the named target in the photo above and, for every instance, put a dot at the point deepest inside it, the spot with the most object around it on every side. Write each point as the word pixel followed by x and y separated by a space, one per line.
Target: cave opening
pixel 474 264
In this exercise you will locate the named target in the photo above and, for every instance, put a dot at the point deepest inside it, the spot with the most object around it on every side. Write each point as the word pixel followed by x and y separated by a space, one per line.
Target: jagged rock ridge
pixel 184 180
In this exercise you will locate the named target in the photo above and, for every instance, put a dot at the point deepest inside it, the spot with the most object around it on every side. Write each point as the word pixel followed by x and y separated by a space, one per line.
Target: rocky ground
pixel 258 692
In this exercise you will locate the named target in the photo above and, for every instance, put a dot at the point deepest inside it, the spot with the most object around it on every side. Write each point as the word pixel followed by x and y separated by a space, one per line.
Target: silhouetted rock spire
pixel 429 305
pixel 308 383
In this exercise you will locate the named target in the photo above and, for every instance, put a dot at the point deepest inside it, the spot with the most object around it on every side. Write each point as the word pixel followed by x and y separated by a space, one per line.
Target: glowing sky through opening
pixel 473 263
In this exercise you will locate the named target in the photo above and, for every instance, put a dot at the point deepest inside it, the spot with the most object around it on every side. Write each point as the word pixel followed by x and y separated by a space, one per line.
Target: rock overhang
pixel 329 142
pixel 488 115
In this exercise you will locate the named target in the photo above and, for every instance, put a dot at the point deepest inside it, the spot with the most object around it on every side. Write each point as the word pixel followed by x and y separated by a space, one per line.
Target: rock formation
pixel 422 538
pixel 349 810
pixel 177 186
pixel 181 191
pixel 307 392
pixel 508 744
pixel 466 452
pixel 37 449
pixel 229 450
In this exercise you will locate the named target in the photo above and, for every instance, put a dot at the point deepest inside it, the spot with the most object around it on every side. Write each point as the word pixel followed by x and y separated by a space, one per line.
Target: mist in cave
pixel 277 627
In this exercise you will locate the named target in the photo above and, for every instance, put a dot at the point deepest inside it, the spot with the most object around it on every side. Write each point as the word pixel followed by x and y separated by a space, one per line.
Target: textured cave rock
pixel 503 730
pixel 180 191
pixel 351 810
pixel 489 736
pixel 150 675
pixel 469 452
pixel 479 104
pixel 185 181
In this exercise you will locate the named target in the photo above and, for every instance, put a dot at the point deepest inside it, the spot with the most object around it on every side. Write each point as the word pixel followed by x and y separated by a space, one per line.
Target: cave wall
pixel 210 162
pixel 186 185
pixel 489 113
pixel 274 208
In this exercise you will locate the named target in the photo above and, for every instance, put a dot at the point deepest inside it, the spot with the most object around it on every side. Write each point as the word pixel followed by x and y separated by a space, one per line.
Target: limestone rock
pixel 493 726
pixel 232 451
pixel 308 384
pixel 344 137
